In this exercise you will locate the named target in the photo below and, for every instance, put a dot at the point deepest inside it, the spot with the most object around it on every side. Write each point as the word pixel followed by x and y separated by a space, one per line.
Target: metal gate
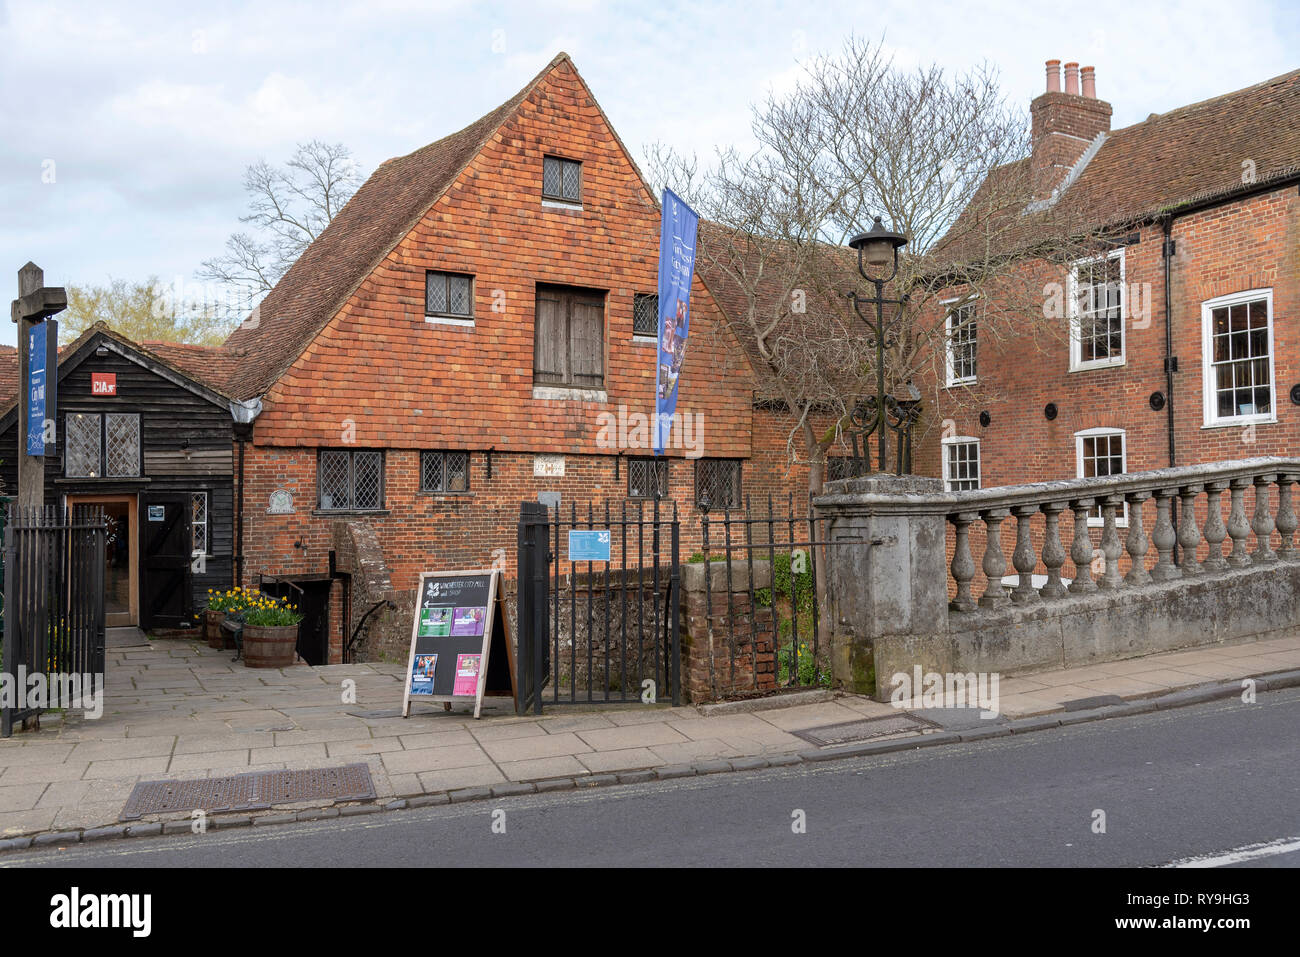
pixel 53 601
pixel 595 630
pixel 786 546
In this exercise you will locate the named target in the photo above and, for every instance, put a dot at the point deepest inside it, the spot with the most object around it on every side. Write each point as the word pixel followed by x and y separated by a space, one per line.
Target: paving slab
pixel 632 736
pixel 434 759
pixel 540 745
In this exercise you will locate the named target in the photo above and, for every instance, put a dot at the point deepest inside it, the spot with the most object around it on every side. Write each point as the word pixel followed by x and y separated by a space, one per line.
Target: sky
pixel 127 127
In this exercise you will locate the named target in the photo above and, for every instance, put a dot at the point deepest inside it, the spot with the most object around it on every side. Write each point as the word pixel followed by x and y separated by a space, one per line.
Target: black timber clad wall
pixel 169 416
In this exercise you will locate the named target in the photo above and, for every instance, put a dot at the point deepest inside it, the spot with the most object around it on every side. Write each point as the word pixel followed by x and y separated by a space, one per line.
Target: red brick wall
pixel 1250 244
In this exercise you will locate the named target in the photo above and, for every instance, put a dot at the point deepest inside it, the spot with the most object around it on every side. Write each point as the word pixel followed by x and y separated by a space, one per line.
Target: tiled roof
pixel 1229 144
pixel 202 364
pixel 386 207
pixel 214 366
pixel 8 374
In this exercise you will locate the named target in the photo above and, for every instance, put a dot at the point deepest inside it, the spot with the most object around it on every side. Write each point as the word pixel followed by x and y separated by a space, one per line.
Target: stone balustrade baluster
pixel 1081 548
pixel 1164 538
pixel 1111 546
pixel 995 563
pixel 1189 533
pixel 1262 523
pixel 1215 530
pixel 1136 543
pixel 1023 558
pixel 1238 526
pixel 963 565
pixel 1053 552
pixel 1286 517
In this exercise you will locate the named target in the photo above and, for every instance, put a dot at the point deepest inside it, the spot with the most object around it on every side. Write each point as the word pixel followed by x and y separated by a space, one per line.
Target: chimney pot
pixel 1072 79
pixel 1053 76
pixel 1089 77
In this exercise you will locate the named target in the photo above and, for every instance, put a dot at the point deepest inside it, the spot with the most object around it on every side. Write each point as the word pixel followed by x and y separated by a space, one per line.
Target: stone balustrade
pixel 1099 568
pixel 1189 486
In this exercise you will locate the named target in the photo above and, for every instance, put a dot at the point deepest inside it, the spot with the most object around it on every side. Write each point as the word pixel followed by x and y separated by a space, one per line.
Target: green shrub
pixel 782 577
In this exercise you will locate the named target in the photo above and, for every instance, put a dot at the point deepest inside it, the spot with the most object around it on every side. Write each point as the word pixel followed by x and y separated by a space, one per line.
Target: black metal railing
pixel 780 546
pixel 53 599
pixel 599 630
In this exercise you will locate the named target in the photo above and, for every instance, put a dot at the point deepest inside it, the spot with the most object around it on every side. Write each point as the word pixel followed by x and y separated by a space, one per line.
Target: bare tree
pixel 942 159
pixel 288 208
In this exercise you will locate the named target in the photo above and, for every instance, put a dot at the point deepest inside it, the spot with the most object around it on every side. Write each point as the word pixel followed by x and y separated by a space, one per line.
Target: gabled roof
pixel 386 207
pixel 73 354
pixel 1168 162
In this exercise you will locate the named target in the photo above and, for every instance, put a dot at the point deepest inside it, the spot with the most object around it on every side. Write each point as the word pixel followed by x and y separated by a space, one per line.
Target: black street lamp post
pixel 882 413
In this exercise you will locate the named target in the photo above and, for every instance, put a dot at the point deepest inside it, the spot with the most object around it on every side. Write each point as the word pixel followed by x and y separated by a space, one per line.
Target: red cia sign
pixel 103 383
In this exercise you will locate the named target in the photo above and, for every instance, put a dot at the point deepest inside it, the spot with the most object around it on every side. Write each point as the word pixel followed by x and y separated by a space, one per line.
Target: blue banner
pixel 677 229
pixel 36 380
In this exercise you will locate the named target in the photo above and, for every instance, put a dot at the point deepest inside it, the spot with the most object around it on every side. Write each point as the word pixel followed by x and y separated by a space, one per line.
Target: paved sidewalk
pixel 176 709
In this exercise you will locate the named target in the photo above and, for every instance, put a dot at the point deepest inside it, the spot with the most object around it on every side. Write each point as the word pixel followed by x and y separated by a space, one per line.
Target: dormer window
pixel 561 180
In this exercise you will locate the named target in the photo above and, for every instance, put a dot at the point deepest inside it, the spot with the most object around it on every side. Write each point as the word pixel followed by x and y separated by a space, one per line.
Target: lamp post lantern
pixel 882 413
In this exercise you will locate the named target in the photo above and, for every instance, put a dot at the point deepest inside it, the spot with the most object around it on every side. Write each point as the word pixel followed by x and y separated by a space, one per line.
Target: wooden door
pixel 165 555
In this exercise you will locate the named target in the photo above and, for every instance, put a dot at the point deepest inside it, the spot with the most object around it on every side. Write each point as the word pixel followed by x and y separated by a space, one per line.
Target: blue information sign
pixel 589 546
pixel 36 383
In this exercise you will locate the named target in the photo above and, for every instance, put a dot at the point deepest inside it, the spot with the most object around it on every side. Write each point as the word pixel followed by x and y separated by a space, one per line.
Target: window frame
pixel 449 318
pixel 565 200
pixel 652 336
pixel 739 482
pixel 352 479
pixel 1209 387
pixel 207 522
pixel 1121 515
pixel 444 490
pixel 656 463
pixel 945 465
pixel 950 363
pixel 102 418
pixel 1077 363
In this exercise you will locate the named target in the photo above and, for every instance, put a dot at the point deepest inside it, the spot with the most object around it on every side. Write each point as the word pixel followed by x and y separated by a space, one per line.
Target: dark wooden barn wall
pixel 169 416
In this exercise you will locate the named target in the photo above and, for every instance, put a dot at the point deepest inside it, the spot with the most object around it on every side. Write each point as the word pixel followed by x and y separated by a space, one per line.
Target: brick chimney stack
pixel 1064 124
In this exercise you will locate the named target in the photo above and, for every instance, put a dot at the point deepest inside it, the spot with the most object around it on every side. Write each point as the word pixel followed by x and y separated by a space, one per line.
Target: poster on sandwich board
pixel 460 640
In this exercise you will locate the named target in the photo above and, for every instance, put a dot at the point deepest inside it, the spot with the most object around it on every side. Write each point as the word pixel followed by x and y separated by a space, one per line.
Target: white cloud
pixel 152 112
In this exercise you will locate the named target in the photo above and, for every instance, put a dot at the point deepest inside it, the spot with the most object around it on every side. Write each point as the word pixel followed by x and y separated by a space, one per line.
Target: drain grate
pixel 251 791
pixel 850 732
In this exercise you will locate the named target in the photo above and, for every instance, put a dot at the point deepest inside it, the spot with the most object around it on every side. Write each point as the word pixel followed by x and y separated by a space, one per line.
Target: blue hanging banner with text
pixel 36 384
pixel 677 230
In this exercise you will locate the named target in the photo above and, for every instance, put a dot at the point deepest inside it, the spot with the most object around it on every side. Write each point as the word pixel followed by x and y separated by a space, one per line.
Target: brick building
pixel 1178 343
pixel 476 328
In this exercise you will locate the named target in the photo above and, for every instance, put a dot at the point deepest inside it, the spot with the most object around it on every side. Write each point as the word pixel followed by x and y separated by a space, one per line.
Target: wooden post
pixel 36 303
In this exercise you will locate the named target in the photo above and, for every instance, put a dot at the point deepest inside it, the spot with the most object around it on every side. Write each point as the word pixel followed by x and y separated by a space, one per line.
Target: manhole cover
pixel 850 732
pixel 243 792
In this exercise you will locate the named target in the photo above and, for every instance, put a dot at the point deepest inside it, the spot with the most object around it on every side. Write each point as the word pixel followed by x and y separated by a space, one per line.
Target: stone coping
pixel 902 494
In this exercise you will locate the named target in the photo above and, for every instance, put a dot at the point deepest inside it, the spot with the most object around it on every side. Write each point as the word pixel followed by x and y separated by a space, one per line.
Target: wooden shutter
pixel 587 341
pixel 550 338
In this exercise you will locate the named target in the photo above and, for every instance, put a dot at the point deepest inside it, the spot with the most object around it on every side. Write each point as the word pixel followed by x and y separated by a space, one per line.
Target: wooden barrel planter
pixel 212 627
pixel 270 646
